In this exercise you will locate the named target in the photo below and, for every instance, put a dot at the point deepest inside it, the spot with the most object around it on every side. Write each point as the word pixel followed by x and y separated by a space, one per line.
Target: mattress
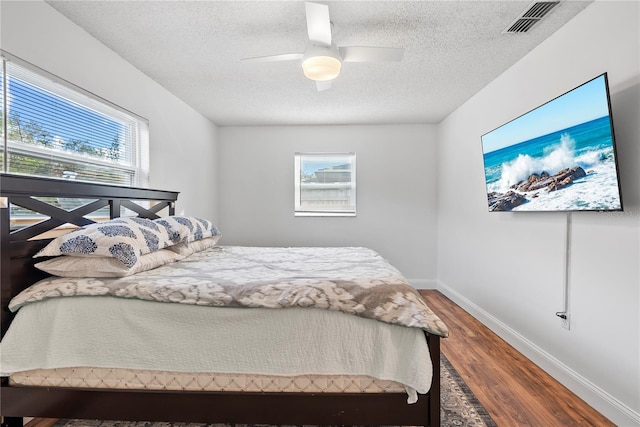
pixel 136 379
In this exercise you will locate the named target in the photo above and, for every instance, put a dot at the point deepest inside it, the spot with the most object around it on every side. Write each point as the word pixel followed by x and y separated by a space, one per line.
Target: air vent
pixel 522 25
pixel 540 9
pixel 531 16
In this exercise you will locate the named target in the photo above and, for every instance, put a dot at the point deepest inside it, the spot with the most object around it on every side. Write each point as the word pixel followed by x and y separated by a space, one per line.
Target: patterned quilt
pixel 350 280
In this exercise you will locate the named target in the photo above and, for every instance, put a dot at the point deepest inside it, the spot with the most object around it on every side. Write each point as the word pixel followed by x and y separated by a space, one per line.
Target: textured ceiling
pixel 194 49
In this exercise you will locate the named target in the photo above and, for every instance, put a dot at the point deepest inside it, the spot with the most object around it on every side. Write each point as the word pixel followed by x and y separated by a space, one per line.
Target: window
pixel 325 184
pixel 54 129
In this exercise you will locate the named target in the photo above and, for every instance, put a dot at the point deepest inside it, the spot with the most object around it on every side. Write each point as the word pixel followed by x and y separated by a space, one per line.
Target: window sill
pixel 330 214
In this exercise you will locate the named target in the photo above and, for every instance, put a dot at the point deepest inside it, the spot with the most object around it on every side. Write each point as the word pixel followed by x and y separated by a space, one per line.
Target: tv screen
pixel 558 157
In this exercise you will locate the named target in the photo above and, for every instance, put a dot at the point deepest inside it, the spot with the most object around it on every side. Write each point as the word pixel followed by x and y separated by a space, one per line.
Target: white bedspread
pixel 108 332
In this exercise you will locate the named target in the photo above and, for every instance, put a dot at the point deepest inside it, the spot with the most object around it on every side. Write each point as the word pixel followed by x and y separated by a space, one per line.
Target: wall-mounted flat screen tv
pixel 558 157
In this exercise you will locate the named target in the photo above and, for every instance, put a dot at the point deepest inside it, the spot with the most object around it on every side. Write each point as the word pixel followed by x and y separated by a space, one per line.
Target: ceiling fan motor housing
pixel 321 63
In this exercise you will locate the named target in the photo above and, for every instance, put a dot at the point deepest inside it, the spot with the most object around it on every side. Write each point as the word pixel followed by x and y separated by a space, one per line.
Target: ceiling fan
pixel 322 59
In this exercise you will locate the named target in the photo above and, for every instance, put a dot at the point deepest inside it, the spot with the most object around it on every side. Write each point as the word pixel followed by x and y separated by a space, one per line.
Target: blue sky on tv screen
pixel 582 104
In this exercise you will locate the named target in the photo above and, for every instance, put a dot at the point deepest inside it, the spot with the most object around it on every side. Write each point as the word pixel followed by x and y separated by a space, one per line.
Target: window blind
pixel 54 129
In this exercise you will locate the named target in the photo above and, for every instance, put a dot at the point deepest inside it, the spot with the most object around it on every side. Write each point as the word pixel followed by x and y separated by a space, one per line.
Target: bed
pixel 383 403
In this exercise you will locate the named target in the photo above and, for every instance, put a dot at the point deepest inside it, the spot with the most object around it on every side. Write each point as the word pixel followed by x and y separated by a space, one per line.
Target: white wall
pixel 396 212
pixel 507 269
pixel 182 142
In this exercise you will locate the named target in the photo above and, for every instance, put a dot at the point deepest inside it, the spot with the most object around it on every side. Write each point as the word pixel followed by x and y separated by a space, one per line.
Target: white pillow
pixel 185 249
pixel 73 266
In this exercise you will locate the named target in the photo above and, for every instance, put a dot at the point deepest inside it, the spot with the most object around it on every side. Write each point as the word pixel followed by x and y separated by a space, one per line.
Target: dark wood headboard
pixel 18 245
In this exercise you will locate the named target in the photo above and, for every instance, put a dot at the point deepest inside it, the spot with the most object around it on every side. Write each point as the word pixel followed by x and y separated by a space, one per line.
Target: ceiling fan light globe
pixel 321 68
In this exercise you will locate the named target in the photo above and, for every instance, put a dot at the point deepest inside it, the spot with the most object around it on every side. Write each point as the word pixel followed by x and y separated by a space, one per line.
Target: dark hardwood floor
pixel 512 389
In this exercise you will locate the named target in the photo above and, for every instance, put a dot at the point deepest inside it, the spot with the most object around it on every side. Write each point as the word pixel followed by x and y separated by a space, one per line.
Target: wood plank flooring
pixel 512 389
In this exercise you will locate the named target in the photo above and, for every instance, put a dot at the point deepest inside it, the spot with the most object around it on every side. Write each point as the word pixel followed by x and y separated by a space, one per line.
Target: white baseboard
pixel 618 412
pixel 424 283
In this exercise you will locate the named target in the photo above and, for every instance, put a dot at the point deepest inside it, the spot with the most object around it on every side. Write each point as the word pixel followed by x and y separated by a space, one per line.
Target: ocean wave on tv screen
pixel 581 145
pixel 558 158
pixel 596 191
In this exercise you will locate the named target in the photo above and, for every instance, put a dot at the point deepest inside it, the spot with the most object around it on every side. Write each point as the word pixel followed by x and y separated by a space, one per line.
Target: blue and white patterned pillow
pixel 188 228
pixel 124 239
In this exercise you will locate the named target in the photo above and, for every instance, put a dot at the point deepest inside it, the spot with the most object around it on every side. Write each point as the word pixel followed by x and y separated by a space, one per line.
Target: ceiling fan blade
pixel 270 58
pixel 318 23
pixel 323 85
pixel 371 54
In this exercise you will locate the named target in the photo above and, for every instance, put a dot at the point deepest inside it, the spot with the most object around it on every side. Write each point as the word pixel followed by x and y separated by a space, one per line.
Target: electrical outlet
pixel 565 321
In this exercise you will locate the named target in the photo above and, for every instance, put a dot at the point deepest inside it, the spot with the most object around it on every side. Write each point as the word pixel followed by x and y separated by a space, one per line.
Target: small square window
pixel 325 184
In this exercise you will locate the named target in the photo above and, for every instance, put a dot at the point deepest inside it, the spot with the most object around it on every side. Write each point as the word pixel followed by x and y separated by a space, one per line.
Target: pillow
pixel 124 239
pixel 185 249
pixel 72 266
pixel 189 228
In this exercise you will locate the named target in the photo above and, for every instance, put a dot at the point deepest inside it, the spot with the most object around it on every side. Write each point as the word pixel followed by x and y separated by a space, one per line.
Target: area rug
pixel 458 405
pixel 459 408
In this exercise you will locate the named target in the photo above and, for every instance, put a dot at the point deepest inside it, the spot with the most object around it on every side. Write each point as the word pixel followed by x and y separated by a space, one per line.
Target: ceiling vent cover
pixel 531 16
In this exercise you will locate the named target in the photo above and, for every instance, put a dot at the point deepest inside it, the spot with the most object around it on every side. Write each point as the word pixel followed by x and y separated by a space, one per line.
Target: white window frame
pixel 137 168
pixel 330 209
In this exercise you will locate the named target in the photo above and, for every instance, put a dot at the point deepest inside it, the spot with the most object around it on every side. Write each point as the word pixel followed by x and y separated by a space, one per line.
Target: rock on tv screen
pixel 558 157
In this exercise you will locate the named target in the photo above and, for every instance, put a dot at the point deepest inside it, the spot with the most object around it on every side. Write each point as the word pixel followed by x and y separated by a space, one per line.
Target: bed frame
pixel 17 272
